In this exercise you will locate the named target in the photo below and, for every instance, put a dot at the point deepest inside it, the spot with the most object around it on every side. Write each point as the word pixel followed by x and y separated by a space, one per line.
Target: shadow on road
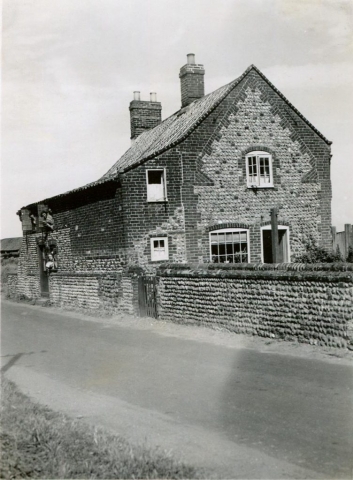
pixel 15 358
pixel 293 409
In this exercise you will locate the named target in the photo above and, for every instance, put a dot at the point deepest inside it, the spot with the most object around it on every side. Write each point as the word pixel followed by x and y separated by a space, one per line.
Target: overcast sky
pixel 69 68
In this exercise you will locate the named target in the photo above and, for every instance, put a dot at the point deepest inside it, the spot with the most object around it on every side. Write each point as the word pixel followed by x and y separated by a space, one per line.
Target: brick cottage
pixel 198 187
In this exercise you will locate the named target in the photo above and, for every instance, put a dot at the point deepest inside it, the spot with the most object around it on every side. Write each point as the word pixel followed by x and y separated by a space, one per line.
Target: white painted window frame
pixel 164 178
pixel 280 227
pixel 228 230
pixel 153 252
pixel 258 153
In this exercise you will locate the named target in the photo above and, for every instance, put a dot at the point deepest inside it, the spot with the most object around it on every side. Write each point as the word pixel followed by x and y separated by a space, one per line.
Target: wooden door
pixel 267 246
pixel 148 296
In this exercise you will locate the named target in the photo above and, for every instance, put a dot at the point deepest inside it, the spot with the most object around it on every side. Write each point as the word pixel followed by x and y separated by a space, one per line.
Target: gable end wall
pixel 254 117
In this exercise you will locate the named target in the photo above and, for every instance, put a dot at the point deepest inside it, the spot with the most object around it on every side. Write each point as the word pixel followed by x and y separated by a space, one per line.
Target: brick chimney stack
pixel 191 81
pixel 144 115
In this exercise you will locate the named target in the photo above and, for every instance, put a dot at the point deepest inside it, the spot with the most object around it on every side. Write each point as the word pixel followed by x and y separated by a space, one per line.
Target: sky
pixel 69 69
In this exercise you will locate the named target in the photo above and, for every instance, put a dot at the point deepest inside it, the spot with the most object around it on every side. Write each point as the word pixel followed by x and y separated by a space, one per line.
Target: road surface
pixel 239 412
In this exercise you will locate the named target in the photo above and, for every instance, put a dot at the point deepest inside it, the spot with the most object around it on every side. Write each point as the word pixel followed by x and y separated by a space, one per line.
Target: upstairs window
pixel 229 246
pixel 259 170
pixel 156 185
pixel 159 249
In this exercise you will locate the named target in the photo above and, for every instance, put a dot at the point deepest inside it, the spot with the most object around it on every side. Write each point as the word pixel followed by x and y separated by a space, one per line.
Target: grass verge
pixel 37 442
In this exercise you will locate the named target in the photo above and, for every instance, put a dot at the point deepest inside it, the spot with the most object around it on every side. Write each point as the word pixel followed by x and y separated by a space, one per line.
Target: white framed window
pixel 259 169
pixel 229 245
pixel 156 185
pixel 159 249
pixel 283 244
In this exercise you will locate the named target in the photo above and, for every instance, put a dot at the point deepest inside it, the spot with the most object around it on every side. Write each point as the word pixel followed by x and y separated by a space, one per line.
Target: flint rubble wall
pixel 289 302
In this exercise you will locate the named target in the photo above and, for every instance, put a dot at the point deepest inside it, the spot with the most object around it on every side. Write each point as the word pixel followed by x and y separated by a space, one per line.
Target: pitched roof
pixel 10 244
pixel 179 125
pixel 176 128
pixel 165 135
pixel 171 131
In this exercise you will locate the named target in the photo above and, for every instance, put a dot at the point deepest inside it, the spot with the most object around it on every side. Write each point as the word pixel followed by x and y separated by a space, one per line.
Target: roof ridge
pixel 228 87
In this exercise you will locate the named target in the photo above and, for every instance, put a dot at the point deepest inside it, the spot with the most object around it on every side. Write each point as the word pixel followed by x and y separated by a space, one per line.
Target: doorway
pixel 43 273
pixel 283 250
pixel 147 290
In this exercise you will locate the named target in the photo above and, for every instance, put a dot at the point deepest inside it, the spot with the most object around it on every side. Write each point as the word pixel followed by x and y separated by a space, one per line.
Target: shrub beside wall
pixel 8 267
pixel 11 285
pixel 310 303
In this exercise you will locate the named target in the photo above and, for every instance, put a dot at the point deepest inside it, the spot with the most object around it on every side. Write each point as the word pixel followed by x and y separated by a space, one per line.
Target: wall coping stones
pixel 293 272
pixel 335 267
pixel 86 274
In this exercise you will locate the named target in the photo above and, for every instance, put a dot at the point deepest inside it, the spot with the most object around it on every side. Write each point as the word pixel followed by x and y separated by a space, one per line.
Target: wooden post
pixel 347 237
pixel 274 235
pixel 333 233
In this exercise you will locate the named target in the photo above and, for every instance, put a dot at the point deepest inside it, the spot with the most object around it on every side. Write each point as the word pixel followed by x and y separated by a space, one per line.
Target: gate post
pixel 274 234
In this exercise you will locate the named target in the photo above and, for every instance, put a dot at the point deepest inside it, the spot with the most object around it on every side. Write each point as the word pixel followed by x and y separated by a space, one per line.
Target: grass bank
pixel 37 442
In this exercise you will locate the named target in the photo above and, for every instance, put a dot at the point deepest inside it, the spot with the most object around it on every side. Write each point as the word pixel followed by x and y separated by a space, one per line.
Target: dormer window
pixel 259 170
pixel 156 185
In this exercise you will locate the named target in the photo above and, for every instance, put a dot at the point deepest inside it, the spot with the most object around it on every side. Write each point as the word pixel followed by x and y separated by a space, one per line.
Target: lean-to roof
pixel 10 244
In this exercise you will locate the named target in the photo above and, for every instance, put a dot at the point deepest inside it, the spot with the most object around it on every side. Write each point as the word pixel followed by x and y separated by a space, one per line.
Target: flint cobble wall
pixel 310 306
pixel 100 263
pixel 111 292
pixel 75 290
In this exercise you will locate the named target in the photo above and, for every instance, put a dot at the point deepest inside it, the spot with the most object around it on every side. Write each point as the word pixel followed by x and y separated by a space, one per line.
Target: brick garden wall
pixel 291 302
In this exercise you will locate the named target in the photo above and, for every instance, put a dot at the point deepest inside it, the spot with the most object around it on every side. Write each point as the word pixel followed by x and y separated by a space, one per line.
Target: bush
pixel 8 265
pixel 316 254
pixel 350 255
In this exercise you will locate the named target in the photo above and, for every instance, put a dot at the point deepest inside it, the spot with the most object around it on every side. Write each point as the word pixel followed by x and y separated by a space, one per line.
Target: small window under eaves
pixel 156 185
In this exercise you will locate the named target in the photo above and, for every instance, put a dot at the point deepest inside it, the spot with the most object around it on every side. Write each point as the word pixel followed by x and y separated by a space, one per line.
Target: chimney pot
pixel 191 58
pixel 191 81
pixel 144 114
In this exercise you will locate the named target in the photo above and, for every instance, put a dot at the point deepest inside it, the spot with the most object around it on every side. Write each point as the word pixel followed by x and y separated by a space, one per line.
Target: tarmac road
pixel 240 412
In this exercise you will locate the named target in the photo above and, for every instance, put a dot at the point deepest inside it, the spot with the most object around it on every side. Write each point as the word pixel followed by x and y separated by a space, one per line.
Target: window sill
pixel 158 201
pixel 259 187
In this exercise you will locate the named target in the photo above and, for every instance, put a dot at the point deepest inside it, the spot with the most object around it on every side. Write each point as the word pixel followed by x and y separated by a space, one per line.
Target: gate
pixel 148 296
